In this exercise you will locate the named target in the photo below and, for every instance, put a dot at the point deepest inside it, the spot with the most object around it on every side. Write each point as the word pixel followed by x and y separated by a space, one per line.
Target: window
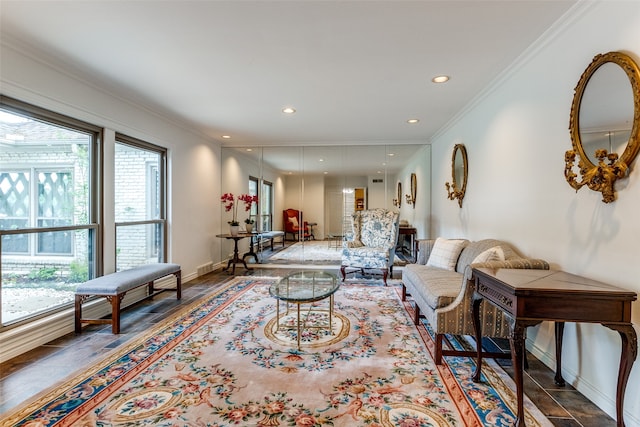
pixel 266 206
pixel 139 203
pixel 48 220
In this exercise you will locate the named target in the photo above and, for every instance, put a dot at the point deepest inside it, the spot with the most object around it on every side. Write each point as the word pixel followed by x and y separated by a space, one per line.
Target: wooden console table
pixel 529 297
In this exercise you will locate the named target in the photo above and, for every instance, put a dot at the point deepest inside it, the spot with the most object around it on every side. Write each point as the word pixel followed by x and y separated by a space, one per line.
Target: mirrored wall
pixel 325 183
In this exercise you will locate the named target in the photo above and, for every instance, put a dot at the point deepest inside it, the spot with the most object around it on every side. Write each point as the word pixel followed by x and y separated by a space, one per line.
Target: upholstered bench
pixel 271 235
pixel 114 287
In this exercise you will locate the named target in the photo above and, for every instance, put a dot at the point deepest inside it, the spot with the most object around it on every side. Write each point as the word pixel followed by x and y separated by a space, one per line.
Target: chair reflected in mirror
pixel 373 245
pixel 294 225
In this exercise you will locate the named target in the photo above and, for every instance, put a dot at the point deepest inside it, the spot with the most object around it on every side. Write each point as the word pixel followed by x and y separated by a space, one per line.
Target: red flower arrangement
pixel 230 204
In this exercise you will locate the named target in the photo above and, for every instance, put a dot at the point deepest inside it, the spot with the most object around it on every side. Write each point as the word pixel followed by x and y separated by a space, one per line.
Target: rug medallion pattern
pixel 227 361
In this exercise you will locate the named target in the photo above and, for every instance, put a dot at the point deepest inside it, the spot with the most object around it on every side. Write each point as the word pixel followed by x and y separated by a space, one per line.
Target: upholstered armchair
pixel 293 224
pixel 373 244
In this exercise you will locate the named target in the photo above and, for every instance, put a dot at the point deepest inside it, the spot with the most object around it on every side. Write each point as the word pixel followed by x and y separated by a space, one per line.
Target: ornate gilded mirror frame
pixel 411 198
pixel 602 177
pixel 398 201
pixel 455 189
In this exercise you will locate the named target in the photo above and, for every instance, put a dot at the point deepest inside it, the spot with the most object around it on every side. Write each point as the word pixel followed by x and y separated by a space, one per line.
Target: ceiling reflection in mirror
pixel 319 178
pixel 606 111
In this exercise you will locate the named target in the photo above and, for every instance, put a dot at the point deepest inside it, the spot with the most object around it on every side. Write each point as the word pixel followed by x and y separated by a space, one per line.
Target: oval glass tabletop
pixel 305 286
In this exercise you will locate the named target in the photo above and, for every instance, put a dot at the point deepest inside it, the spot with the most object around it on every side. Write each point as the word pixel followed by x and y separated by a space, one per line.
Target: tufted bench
pixel 271 235
pixel 114 287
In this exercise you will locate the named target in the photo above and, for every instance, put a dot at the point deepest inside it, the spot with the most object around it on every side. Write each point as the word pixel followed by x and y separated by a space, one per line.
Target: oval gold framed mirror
pixel 459 174
pixel 399 195
pixel 613 81
pixel 411 198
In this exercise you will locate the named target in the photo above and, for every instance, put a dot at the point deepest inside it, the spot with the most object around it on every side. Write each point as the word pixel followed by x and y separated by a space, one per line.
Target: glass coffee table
pixel 305 287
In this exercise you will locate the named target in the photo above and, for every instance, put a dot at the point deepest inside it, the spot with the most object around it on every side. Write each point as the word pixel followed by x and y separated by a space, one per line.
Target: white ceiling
pixel 355 71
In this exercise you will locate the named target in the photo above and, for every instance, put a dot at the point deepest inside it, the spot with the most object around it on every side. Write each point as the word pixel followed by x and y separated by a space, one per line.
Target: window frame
pixel 161 196
pixel 95 209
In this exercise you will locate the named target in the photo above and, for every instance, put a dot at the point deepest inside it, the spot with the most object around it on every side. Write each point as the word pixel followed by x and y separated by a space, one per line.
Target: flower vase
pixel 233 230
pixel 248 227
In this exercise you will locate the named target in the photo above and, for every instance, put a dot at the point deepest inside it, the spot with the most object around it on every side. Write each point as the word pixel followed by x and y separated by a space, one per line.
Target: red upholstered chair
pixel 293 224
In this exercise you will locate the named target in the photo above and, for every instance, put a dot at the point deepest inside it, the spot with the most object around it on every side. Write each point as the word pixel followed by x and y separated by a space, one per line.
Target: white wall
pixel 419 215
pixel 516 135
pixel 193 175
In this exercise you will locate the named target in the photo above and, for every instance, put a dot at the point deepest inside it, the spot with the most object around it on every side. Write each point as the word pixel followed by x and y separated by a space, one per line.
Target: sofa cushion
pixel 492 254
pixel 473 249
pixel 438 287
pixel 445 253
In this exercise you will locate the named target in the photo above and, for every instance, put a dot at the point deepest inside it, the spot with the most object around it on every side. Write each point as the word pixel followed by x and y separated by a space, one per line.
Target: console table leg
pixel 558 380
pixel 477 327
pixel 628 356
pixel 516 339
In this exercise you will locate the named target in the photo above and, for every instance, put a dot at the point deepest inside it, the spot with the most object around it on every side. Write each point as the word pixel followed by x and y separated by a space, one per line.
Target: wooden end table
pixel 529 297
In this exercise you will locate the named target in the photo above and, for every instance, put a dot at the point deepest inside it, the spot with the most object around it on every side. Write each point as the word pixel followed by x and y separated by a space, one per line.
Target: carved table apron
pixel 529 297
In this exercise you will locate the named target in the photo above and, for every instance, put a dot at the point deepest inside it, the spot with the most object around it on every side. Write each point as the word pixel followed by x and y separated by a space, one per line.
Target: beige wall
pixel 516 135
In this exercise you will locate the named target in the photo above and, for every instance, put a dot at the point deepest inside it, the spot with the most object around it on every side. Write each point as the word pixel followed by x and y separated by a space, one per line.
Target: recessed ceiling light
pixel 321 160
pixel 440 79
pixel 226 136
pixel 413 121
pixel 288 110
pixel 249 149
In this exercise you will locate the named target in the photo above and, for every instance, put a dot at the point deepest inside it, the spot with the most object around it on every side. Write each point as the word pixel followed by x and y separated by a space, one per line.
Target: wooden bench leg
pixel 178 284
pixel 115 301
pixel 78 314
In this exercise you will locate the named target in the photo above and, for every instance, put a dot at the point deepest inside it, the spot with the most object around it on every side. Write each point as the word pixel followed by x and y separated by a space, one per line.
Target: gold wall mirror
pixel 604 121
pixel 398 201
pixel 411 198
pixel 459 174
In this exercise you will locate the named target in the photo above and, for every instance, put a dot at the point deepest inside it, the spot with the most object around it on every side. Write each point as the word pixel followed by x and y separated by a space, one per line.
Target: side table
pixel 528 297
pixel 311 225
pixel 236 257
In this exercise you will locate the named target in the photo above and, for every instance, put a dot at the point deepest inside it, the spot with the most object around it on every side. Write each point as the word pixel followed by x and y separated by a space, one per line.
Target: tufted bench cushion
pixel 114 287
pixel 271 235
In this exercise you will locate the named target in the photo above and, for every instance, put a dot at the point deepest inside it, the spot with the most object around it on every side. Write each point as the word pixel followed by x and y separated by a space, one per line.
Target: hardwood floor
pixel 29 374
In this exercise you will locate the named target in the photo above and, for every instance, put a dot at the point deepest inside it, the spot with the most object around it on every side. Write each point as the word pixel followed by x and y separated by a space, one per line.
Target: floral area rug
pixel 315 252
pixel 226 361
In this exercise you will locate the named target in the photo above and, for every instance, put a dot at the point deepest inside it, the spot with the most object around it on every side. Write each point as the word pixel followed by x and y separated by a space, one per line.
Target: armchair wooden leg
pixel 344 273
pixel 416 315
pixel 404 292
pixel 385 273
